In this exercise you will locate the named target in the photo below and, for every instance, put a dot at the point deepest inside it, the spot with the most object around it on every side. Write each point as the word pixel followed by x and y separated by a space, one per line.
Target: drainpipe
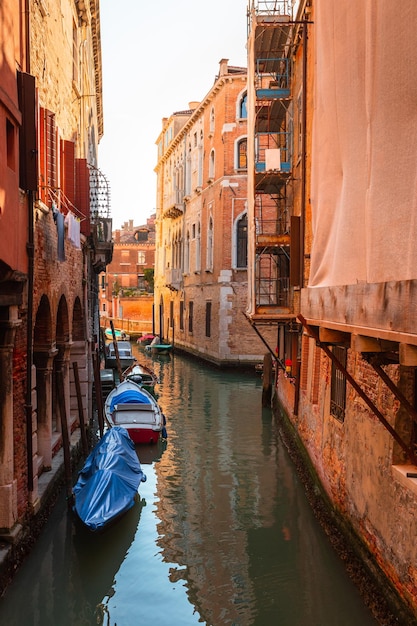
pixel 29 339
pixel 304 158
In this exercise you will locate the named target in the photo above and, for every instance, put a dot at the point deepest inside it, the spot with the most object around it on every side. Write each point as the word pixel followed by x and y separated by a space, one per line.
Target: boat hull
pixel 135 409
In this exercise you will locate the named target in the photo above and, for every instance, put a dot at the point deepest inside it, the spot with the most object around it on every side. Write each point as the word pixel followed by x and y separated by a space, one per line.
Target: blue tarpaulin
pixel 109 481
pixel 130 396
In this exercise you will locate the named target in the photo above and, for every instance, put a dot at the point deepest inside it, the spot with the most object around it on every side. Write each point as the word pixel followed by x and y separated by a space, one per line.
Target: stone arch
pixel 78 322
pixel 44 351
pixel 79 355
pixel 42 333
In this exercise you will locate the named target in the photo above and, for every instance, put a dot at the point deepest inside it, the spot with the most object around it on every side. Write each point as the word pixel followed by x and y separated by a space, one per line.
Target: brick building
pixel 201 226
pixel 56 238
pixel 130 273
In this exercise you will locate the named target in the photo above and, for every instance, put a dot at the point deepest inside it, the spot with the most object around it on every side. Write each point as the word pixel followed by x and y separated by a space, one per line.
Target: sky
pixel 157 56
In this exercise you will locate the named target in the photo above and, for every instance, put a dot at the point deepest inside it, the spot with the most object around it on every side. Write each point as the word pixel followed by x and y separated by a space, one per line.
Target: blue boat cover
pixel 109 481
pixel 130 396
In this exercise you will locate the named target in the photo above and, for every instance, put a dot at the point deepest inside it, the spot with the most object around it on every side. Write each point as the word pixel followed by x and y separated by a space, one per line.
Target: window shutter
pixel 82 194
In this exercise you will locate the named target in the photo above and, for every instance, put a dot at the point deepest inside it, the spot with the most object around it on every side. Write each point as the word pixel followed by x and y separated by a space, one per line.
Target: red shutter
pixel 82 194
pixel 47 155
pixel 68 174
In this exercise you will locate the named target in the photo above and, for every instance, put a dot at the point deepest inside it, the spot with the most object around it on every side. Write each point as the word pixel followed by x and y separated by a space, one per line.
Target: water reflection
pixel 226 537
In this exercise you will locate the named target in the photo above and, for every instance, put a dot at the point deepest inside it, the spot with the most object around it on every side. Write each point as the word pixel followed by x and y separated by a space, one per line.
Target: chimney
pixel 223 67
pixel 193 105
pixel 117 236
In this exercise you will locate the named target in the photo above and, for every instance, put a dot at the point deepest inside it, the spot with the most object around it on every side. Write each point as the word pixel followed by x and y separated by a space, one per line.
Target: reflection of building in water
pixel 224 498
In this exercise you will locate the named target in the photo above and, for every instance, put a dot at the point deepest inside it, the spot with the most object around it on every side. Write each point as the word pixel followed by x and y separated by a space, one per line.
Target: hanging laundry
pixel 73 229
pixel 60 224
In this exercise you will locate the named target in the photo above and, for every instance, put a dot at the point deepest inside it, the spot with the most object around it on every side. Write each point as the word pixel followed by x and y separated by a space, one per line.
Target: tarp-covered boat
pixel 134 408
pixel 108 483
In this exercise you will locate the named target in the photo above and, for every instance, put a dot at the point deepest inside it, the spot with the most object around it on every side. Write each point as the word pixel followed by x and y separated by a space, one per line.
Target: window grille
pixel 338 385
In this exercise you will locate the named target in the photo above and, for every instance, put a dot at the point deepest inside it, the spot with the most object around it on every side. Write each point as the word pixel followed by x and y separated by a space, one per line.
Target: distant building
pixel 130 272
pixel 201 226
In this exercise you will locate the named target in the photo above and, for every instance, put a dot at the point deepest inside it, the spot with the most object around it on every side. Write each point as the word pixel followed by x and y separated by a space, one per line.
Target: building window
pixel 171 313
pixel 181 314
pixel 187 254
pixel 75 53
pixel 243 111
pixel 141 257
pixel 242 241
pixel 242 163
pixel 211 165
pixel 338 385
pixel 198 249
pixel 208 319
pixel 209 266
pixel 10 145
pixel 190 316
pixel 212 120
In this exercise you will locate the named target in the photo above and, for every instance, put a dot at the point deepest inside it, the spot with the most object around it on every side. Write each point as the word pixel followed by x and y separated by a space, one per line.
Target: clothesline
pixel 61 200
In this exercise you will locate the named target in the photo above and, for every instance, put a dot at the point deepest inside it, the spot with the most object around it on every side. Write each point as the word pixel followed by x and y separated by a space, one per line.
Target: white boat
pixel 119 333
pixel 126 357
pixel 134 408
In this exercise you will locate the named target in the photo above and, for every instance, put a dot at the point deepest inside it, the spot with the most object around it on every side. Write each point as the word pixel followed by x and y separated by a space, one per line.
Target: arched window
pixel 211 165
pixel 212 120
pixel 241 154
pixel 242 241
pixel 210 246
pixel 198 249
pixel 187 254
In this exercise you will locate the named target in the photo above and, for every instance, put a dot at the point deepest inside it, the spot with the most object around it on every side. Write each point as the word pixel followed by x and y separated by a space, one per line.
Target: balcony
pixel 101 231
pixel 173 279
pixel 174 204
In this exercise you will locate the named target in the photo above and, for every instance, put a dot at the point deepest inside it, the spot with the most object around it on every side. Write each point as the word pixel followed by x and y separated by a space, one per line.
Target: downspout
pixel 29 339
pixel 304 158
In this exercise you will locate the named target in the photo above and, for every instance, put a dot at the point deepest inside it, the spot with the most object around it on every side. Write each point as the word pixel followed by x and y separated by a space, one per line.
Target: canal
pixel 223 533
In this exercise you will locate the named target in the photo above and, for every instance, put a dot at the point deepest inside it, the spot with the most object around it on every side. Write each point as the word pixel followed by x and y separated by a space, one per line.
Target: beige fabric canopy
pixel 364 152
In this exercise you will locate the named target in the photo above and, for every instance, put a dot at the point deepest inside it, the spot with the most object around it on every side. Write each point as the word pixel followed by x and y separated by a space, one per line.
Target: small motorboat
pixel 142 375
pixel 145 340
pixel 119 333
pixel 158 347
pixel 134 408
pixel 107 486
pixel 125 355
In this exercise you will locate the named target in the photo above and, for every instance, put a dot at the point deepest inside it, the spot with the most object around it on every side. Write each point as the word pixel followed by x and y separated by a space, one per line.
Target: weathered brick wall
pixel 356 461
pixel 19 416
pixel 52 277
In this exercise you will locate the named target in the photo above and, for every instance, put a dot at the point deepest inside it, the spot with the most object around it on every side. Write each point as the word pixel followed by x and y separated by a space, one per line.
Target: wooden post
pixel 65 435
pixel 116 351
pixel 267 380
pixel 84 441
pixel 99 394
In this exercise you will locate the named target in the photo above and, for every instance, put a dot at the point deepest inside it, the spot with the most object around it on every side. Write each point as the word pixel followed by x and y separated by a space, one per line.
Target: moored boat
pixel 126 357
pixel 119 333
pixel 107 486
pixel 145 340
pixel 158 347
pixel 142 375
pixel 134 408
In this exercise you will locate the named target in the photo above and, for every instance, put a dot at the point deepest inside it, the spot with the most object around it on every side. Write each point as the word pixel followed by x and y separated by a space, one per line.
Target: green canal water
pixel 223 533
